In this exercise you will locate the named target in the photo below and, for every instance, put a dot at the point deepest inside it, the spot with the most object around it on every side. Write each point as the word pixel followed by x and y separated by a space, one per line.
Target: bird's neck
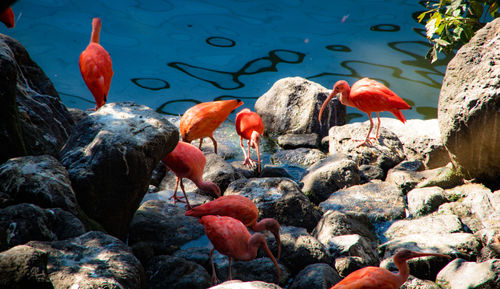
pixel 345 97
pixel 404 271
pixel 206 186
pixel 96 30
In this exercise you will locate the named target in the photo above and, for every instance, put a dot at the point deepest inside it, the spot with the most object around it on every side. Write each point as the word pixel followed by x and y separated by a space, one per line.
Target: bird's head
pixel 340 86
pixel 272 226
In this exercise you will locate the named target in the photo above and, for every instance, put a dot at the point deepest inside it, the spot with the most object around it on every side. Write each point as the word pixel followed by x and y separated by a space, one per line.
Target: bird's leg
pixel 248 161
pixel 201 141
pixel 185 196
pixel 215 280
pixel 215 143
pixel 378 125
pixel 230 261
pixel 174 196
pixel 367 139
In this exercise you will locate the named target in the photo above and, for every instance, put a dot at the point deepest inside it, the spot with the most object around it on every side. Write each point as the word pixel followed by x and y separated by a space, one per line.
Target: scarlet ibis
pixel 201 120
pixel 380 278
pixel 231 238
pixel 249 126
pixel 8 18
pixel 368 96
pixel 96 67
pixel 187 161
pixel 240 208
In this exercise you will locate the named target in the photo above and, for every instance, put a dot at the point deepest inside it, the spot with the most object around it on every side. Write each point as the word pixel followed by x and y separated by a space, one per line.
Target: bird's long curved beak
pixel 332 94
pixel 268 252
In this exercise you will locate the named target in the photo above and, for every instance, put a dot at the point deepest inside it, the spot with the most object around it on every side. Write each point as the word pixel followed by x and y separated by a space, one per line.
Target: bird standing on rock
pixel 201 120
pixel 240 208
pixel 187 161
pixel 96 67
pixel 380 278
pixel 8 18
pixel 249 126
pixel 368 96
pixel 231 238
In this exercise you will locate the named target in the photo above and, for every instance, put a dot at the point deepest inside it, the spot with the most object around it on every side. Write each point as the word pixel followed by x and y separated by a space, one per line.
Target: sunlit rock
pixel 318 276
pixel 461 274
pixel 469 106
pixel 24 267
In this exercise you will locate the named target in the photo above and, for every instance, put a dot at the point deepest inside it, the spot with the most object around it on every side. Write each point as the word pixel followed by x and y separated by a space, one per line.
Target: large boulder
pixel 110 159
pixel 469 106
pixel 92 260
pixel 39 180
pixel 33 120
pixel 278 198
pixel 292 106
pixel 461 274
pixel 175 273
pixel 318 276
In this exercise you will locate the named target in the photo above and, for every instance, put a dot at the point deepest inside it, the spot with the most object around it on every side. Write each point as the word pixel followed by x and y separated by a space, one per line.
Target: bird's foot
pixel 366 142
pixel 215 280
pixel 249 162
pixel 175 198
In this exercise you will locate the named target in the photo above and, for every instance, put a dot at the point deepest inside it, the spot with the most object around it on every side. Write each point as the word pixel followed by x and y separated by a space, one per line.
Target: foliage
pixel 452 23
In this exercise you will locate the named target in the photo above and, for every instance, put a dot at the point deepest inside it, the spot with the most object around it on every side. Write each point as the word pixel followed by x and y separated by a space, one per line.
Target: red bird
pixel 380 278
pixel 96 67
pixel 240 208
pixel 201 120
pixel 249 126
pixel 7 17
pixel 368 95
pixel 187 161
pixel 231 238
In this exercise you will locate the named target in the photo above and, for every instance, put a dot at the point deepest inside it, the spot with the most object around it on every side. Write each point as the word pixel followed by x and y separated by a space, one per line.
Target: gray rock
pixel 271 171
pixel 444 177
pixel 237 284
pixel 176 273
pixel 407 174
pixel 292 106
pixel 416 283
pixel 422 201
pixel 462 245
pixel 318 276
pixel 199 255
pixel 278 198
pixel 370 172
pixel 77 114
pixel 92 260
pixel 386 152
pixel 25 222
pixel 461 274
pixel 294 141
pixel 159 228
pixel 491 246
pixel 468 105
pixel 24 267
pixel 39 180
pixel 331 174
pixel 335 223
pixel 470 222
pixel 380 201
pixel 303 157
pixel 110 159
pixel 352 245
pixel 421 140
pixel 484 205
pixel 432 224
pixel 347 264
pixel 300 249
pixel 33 120
pixel 258 269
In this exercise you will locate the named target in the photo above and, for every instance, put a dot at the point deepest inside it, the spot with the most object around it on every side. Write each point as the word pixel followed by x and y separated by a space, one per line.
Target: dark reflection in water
pixel 385 28
pixel 225 97
pixel 219 41
pixel 231 80
pixel 177 104
pixel 151 83
pixel 427 111
pixel 338 47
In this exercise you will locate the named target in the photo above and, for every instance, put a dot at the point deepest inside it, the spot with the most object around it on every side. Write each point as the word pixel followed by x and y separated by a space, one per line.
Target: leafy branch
pixel 452 23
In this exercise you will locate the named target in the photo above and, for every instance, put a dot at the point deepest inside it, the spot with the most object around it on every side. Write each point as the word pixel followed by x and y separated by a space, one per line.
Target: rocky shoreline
pixel 85 206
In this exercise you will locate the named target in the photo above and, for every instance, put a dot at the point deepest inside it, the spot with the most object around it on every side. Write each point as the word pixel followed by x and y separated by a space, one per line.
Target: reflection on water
pixel 170 55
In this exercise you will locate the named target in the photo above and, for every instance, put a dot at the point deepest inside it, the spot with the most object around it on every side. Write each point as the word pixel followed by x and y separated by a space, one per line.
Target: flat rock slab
pixel 92 260
pixel 236 284
pixel 380 201
pixel 335 223
pixel 432 224
pixel 461 274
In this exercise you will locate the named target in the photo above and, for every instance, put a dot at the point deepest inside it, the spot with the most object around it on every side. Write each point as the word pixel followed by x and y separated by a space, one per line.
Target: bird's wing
pixel 370 95
pixel 368 278
pixel 96 68
pixel 247 122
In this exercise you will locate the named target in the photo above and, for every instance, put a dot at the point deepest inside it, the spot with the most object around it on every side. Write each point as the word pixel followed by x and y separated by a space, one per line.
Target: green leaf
pixel 442 42
pixel 476 9
pixel 421 16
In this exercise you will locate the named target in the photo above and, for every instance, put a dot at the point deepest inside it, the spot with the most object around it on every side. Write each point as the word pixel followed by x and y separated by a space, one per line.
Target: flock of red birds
pixel 226 218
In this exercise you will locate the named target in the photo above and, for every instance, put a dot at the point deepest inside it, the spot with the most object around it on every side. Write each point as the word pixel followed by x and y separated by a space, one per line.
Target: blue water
pixel 169 55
